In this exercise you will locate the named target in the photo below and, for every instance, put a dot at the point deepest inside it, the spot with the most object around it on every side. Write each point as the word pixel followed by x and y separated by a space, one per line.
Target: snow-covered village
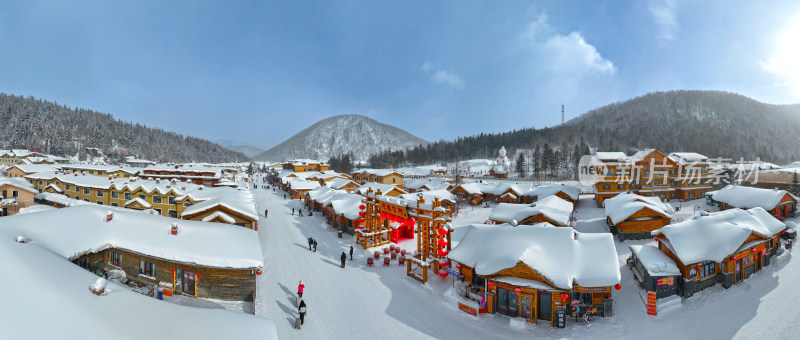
pixel 417 170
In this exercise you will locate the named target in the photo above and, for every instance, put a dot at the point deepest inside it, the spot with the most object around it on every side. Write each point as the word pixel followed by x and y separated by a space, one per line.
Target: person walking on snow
pixel 292 211
pixel 300 288
pixel 265 212
pixel 284 196
pixel 302 311
pixel 315 246
pixel 344 258
pixel 351 253
pixel 310 243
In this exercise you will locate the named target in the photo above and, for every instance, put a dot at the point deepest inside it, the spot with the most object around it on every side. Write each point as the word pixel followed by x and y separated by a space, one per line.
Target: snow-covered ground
pixel 364 302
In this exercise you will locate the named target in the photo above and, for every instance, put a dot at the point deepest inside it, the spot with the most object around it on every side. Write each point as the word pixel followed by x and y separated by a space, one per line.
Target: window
pixel 86 191
pixel 66 195
pixel 584 298
pixel 157 199
pixel 691 194
pixel 171 200
pixel 621 186
pixel 147 269
pixel 77 189
pixel 606 186
pixel 704 170
pixel 99 193
pixel 15 193
pixel 158 211
pixel 86 199
pixel 67 187
pixel 99 202
pixel 128 196
pixel 115 194
pixel 187 204
pixel 5 194
pixel 40 182
pixel 84 262
pixel 114 258
pixel 143 197
pixel 114 205
pixel 173 213
pixel 707 269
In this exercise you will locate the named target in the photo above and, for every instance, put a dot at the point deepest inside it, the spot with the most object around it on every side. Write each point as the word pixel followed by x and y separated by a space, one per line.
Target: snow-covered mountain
pixel 340 135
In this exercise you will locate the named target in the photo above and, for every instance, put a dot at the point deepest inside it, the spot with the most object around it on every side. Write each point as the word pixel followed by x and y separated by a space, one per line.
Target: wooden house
pixel 614 175
pixel 184 173
pixel 446 199
pixel 381 176
pixel 197 259
pixel 18 156
pixel 654 174
pixel 15 194
pixel 779 203
pixel 539 272
pixel 342 184
pixel 630 216
pixel 298 188
pixel 469 192
pixel 565 192
pixel 551 209
pixel 654 270
pixel 22 170
pixel 722 247
pixel 694 176
pixel 304 165
pixel 386 189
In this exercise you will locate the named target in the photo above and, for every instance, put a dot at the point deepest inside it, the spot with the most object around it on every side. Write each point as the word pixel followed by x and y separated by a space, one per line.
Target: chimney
pixel 174 229
pixel 109 216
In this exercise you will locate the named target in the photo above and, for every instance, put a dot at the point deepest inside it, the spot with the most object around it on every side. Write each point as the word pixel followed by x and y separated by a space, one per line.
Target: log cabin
pixel 19 156
pixel 533 271
pixel 694 177
pixel 469 192
pixel 654 174
pixel 723 247
pixel 304 165
pixel 550 209
pixel 381 176
pixel 634 217
pixel 199 259
pixel 299 187
pixel 15 194
pixel 566 192
pixel 342 184
pixel 196 174
pixel 779 203
pixel 446 199
pixel 385 189
pixel 22 170
pixel 654 271
pixel 614 176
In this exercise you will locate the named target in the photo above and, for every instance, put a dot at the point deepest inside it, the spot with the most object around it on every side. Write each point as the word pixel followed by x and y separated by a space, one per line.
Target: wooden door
pixel 188 282
pixel 738 275
pixel 502 300
pixel 545 305
pixel 525 307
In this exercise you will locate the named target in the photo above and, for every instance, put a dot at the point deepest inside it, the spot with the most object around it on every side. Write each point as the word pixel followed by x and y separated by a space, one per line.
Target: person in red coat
pixel 300 288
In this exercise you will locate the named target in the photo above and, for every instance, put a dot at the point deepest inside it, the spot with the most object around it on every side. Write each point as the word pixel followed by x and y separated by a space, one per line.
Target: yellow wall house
pixel 382 176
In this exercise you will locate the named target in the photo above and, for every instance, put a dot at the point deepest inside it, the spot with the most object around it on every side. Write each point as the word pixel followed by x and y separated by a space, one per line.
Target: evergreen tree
pixel 795 187
pixel 521 165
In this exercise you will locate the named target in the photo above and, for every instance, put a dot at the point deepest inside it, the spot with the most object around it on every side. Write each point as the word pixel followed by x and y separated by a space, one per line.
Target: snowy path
pixel 367 302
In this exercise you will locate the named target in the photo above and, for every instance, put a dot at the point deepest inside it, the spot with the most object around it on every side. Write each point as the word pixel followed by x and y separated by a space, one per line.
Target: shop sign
pixel 593 289
pixel 468 309
pixel 561 317
pixel 667 281
pixel 394 209
pixel 453 272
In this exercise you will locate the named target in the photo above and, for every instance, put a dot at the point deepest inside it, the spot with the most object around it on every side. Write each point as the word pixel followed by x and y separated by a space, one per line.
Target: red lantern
pixel 699 265
pixel 361 213
pixel 443 252
pixel 518 290
pixel 655 238
pixel 361 207
pixel 443 274
pixel 442 242
pixel 360 220
pixel 258 272
pixel 617 286
pixel 442 231
pixel 564 296
pixel 489 283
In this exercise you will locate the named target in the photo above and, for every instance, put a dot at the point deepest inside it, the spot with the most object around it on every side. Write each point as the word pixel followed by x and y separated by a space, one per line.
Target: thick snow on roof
pixel 472 188
pixel 441 194
pixel 624 205
pixel 62 305
pixel 615 156
pixel 384 188
pixel 339 182
pixel 19 183
pixel 72 232
pixel 687 158
pixel 750 197
pixel 562 255
pixel 655 261
pixel 301 184
pixel 240 201
pixel 34 168
pixel 141 202
pixel 429 182
pixel 552 207
pixel 377 172
pixel 347 205
pixel 548 190
pixel 714 236
pixel 315 193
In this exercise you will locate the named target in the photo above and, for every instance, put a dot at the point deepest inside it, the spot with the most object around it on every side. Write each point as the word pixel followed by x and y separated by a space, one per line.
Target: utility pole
pixel 562 113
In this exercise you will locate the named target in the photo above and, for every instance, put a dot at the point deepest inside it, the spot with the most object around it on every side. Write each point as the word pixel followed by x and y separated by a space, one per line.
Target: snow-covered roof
pixel 240 201
pixel 441 194
pixel 377 172
pixel 34 168
pixel 615 156
pixel 430 183
pixel 384 188
pixel 688 158
pixel 749 197
pixel 65 305
pixel 553 207
pixel 18 183
pixel 714 236
pixel 75 231
pixel 339 182
pixel 347 205
pixel 138 200
pixel 472 188
pixel 561 255
pixel 549 190
pixel 622 206
pixel 218 214
pixel 301 184
pixel 655 261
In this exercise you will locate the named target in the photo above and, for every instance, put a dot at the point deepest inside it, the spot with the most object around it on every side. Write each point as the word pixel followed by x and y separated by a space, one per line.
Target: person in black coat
pixel 344 258
pixel 265 212
pixel 315 246
pixel 302 311
pixel 310 243
pixel 351 253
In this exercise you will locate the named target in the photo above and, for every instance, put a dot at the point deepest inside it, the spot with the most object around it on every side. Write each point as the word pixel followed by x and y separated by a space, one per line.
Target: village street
pixel 360 302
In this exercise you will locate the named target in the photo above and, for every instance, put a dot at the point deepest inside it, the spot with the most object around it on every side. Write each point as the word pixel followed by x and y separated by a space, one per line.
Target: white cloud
pixel 572 54
pixel 663 12
pixel 439 75
pixel 566 54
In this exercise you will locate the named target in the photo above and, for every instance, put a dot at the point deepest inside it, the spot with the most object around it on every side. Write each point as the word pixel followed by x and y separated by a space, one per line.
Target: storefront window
pixel 584 298
pixel 707 269
pixel 525 308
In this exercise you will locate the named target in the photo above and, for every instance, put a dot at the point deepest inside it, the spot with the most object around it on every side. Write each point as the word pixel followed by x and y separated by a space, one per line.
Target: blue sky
pixel 261 71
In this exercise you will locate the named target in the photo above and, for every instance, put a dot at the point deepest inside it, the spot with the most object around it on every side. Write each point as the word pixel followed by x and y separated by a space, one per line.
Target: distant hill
pixel 339 135
pixel 243 147
pixel 713 123
pixel 60 130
